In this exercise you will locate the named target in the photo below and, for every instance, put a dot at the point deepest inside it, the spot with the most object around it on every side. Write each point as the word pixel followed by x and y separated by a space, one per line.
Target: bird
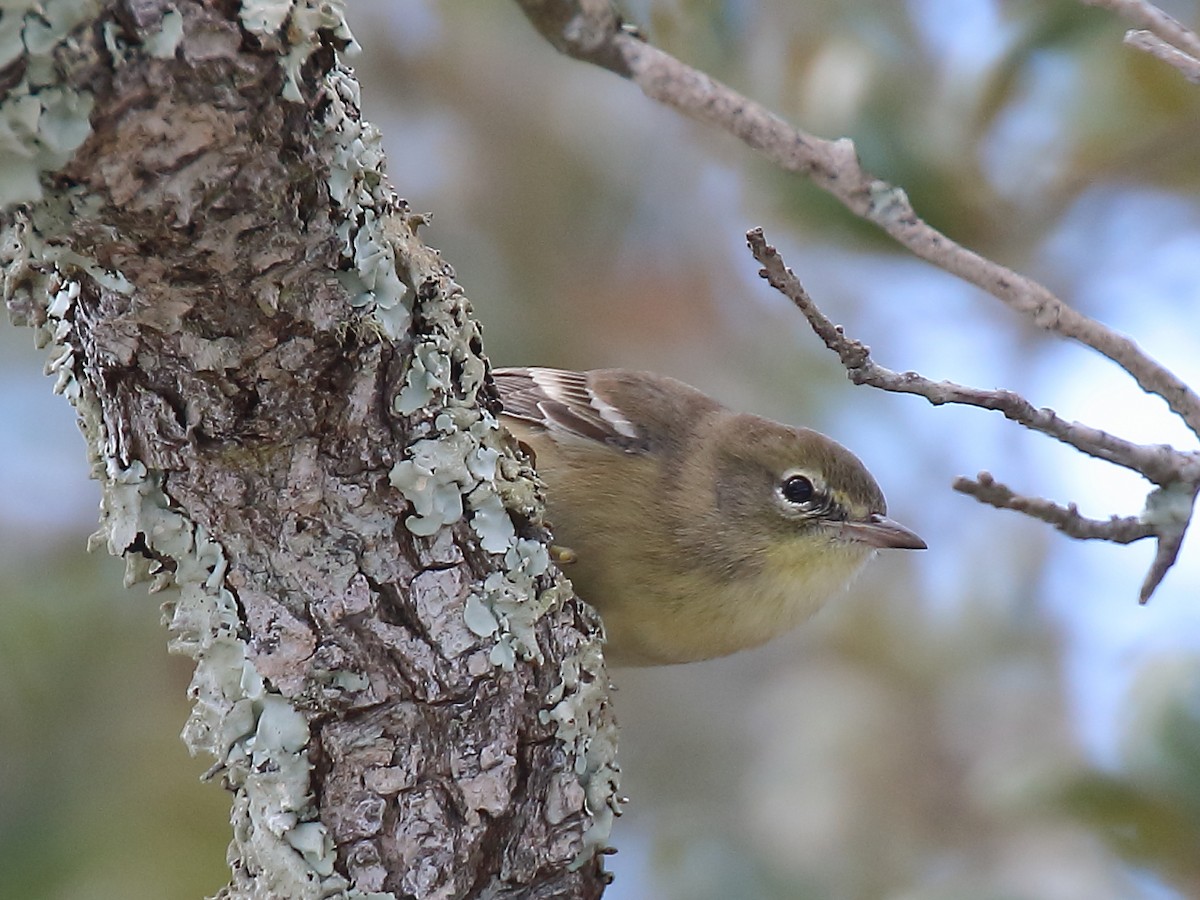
pixel 695 531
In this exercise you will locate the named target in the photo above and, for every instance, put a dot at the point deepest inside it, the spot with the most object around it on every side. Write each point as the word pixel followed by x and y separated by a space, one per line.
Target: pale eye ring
pixel 797 489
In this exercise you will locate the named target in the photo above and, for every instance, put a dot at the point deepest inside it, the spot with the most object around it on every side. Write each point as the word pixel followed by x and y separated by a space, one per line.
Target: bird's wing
pixel 569 402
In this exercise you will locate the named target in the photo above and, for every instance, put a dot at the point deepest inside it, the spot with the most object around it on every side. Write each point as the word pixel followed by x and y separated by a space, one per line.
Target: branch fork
pixel 1169 507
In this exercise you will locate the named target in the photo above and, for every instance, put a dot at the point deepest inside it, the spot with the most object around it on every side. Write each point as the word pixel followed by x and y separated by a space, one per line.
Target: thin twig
pixel 1146 15
pixel 588 30
pixel 1159 463
pixel 1066 519
pixel 1185 63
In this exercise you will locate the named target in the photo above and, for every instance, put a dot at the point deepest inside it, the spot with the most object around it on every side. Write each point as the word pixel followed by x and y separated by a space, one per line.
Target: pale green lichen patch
pixel 511 598
pixel 491 522
pixel 578 707
pixel 162 43
pixel 38 233
pixel 360 195
pixel 1169 507
pixel 265 17
pixel 12 23
pixel 294 26
pixel 429 372
pixel 63 125
pixel 47 22
pixel 437 474
pixel 432 481
pixel 114 43
pixel 312 841
pixel 479 617
pixel 280 727
pixel 42 122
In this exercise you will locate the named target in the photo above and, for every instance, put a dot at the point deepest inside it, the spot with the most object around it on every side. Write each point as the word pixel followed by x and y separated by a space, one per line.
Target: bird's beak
pixel 880 531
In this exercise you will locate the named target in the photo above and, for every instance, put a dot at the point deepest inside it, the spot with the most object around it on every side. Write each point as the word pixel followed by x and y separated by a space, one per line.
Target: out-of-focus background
pixel 994 718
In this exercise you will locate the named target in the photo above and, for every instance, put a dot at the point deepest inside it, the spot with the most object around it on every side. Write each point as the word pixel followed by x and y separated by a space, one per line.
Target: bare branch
pixel 1187 64
pixel 1168 507
pixel 1151 18
pixel 1159 463
pixel 588 31
pixel 1066 519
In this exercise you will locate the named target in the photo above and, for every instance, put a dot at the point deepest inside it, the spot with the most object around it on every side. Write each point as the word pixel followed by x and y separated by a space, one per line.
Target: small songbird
pixel 695 531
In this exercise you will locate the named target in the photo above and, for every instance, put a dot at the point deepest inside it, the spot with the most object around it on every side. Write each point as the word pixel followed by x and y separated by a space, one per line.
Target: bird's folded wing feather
pixel 569 402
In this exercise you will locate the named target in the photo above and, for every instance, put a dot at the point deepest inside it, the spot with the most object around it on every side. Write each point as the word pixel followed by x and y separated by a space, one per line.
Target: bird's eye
pixel 797 489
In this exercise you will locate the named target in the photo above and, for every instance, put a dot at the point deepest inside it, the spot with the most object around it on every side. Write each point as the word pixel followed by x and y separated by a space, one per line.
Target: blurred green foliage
pixel 1150 812
pixel 98 797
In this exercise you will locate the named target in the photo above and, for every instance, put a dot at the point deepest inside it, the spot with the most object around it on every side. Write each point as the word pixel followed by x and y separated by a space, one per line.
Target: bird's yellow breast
pixel 688 617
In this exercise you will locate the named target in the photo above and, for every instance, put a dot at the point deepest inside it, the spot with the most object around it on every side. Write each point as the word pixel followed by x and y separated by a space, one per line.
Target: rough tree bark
pixel 286 402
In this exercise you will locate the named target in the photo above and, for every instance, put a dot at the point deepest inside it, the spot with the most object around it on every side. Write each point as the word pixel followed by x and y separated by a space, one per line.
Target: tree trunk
pixel 285 399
